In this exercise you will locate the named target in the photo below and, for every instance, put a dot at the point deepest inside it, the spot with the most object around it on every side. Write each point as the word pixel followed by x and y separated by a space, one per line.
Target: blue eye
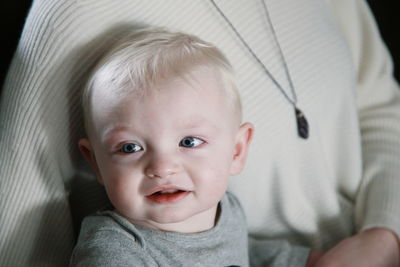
pixel 190 142
pixel 130 148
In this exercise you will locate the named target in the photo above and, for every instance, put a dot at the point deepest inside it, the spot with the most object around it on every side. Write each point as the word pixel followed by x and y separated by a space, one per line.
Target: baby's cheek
pixel 217 178
pixel 119 188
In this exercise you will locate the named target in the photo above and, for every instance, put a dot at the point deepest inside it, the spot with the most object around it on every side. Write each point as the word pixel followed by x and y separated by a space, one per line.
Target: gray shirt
pixel 108 239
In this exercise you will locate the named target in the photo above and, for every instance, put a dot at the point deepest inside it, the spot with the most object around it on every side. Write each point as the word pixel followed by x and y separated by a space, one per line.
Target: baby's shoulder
pixel 104 241
pixel 108 226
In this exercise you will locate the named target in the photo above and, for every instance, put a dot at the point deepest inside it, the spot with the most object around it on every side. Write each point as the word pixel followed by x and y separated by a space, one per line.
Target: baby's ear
pixel 242 145
pixel 87 151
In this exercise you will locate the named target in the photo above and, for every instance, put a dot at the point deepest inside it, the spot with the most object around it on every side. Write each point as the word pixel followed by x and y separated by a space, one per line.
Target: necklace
pixel 302 124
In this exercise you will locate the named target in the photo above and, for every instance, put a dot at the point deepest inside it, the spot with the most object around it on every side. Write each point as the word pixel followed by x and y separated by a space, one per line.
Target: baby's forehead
pixel 177 105
pixel 203 85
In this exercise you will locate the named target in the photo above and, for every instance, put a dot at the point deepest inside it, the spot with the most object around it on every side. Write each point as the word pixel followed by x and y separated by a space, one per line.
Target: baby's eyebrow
pixel 198 123
pixel 111 130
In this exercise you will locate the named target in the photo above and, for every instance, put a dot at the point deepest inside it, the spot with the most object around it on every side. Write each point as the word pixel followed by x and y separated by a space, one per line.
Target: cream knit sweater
pixel 344 178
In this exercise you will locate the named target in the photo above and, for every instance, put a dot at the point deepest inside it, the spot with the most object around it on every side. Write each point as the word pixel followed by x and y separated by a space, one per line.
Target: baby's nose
pixel 161 167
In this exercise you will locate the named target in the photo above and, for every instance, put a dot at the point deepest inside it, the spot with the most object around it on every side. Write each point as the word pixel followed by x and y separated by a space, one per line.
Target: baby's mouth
pixel 169 191
pixel 168 196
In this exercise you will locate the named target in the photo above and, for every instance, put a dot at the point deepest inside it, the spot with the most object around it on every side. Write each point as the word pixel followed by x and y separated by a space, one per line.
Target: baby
pixel 163 121
pixel 164 134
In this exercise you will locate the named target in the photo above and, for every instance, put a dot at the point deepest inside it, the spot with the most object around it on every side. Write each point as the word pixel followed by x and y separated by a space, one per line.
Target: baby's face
pixel 165 157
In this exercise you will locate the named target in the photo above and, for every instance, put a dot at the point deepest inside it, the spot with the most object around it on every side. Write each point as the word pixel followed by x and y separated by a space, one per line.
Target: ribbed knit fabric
pixel 314 192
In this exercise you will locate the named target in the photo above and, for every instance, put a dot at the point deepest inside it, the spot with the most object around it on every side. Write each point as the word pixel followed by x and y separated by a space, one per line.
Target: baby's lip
pixel 167 194
pixel 166 189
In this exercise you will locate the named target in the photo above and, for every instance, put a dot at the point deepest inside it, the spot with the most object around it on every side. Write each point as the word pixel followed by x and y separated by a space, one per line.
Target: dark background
pixel 13 15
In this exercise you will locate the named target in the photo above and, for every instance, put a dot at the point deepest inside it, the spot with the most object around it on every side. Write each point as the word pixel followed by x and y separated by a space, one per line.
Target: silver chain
pixel 250 50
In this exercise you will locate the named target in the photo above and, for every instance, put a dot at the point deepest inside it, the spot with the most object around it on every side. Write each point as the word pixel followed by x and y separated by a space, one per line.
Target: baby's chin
pixel 179 222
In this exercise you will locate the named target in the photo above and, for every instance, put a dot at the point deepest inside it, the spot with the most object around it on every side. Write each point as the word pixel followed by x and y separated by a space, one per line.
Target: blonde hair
pixel 143 58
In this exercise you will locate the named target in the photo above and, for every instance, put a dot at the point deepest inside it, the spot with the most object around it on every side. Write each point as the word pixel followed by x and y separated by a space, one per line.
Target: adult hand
pixel 313 258
pixel 376 247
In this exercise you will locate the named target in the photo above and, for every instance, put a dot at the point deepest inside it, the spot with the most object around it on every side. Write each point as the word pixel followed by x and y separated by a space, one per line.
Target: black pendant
pixel 302 124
